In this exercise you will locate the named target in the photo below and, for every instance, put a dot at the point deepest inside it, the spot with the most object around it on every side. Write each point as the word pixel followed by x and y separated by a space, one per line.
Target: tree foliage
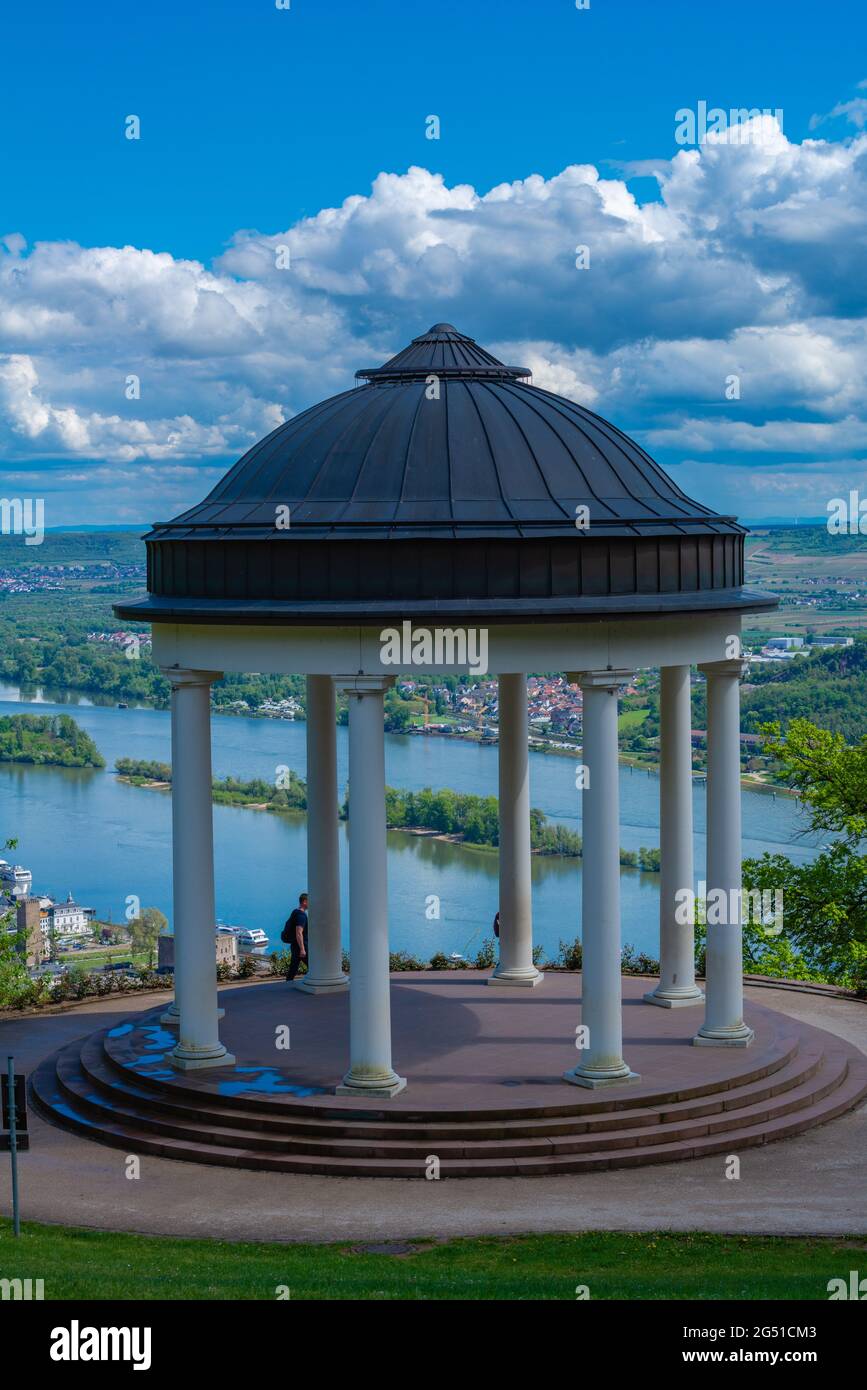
pixel 47 739
pixel 146 929
pixel 825 901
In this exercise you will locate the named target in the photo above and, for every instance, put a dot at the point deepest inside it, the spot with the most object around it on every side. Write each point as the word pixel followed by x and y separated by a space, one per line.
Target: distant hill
pixel 828 688
pixel 74 547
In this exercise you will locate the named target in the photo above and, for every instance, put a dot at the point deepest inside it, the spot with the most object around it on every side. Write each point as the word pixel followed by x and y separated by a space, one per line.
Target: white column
pixel 172 1016
pixel 370 1070
pixel 516 912
pixel 677 986
pixel 724 986
pixel 602 1061
pixel 325 972
pixel 194 914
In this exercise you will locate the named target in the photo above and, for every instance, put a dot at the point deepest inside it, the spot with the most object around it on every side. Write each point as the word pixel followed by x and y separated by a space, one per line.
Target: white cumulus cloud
pixel 749 263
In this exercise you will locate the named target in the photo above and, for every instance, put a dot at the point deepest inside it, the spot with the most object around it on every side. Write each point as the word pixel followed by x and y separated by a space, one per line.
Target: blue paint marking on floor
pixel 141 1063
pixel 121 1030
pixel 158 1036
pixel 67 1110
pixel 268 1080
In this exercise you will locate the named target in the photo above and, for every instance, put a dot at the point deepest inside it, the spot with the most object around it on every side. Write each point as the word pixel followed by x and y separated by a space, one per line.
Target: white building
pixel 67 918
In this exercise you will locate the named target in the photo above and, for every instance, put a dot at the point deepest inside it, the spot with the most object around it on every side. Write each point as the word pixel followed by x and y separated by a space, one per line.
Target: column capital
pixel 184 676
pixel 364 685
pixel 734 666
pixel 605 679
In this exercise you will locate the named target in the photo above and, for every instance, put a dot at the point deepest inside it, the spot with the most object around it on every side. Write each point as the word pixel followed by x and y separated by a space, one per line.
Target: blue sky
pixel 254 121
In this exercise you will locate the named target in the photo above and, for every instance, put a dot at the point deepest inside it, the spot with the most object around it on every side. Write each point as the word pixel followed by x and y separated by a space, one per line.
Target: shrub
pixel 440 961
pixel 402 960
pixel 700 957
pixel 24 993
pixel 571 957
pixel 151 979
pixel 487 954
pixel 637 964
pixel 279 962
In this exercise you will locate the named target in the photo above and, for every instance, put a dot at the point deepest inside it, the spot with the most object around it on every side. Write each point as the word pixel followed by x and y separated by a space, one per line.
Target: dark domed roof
pixel 477 449
pixel 446 445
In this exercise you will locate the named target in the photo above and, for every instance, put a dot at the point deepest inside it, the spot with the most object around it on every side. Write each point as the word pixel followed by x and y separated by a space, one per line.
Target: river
pixel 85 832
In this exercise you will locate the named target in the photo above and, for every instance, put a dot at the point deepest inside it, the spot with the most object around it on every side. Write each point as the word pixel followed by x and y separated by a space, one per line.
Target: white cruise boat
pixel 15 879
pixel 252 941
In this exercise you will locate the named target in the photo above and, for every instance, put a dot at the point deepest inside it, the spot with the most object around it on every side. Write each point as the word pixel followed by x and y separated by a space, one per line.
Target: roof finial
pixel 443 352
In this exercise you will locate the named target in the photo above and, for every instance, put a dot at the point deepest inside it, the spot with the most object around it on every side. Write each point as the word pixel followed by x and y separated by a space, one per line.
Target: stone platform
pixel 485 1092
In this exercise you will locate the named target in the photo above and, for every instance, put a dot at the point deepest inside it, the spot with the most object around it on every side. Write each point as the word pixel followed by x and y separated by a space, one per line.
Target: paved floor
pixel 815 1183
pixel 463 1046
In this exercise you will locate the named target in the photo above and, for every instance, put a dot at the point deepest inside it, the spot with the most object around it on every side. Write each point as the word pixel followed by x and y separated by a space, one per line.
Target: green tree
pixel 398 714
pixel 15 983
pixel 824 902
pixel 145 930
pixel 829 775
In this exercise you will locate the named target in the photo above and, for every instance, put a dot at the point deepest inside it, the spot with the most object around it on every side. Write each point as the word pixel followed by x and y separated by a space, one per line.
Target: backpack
pixel 286 934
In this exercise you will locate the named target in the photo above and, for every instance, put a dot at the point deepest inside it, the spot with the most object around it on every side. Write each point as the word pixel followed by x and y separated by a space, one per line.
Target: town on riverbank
pixel 58 636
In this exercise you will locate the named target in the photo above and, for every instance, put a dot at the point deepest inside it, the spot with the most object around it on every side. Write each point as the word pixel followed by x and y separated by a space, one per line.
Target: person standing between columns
pixel 724 979
pixel 677 987
pixel 602 1061
pixel 294 934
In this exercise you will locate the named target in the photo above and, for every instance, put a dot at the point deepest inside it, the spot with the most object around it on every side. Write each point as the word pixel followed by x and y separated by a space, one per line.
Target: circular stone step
pixel 486 1095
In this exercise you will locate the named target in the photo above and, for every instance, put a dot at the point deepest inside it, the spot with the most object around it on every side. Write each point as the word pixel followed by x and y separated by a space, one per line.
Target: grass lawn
pixel 79 1264
pixel 632 719
pixel 95 959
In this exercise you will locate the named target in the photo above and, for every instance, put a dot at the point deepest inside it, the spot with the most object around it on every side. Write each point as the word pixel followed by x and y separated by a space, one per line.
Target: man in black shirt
pixel 295 934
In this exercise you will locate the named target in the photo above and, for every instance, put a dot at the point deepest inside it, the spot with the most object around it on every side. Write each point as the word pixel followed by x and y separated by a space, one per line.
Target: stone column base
pixel 730 1037
pixel 194 1062
pixel 517 981
pixel 385 1088
pixel 579 1078
pixel 674 1001
pixel 308 986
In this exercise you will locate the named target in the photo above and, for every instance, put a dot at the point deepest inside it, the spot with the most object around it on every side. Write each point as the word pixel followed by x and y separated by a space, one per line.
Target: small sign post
pixel 14 1119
